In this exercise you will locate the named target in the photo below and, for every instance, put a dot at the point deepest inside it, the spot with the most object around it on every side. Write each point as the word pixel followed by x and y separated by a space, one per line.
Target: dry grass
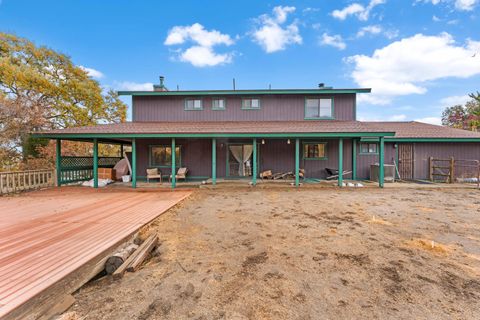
pixel 379 221
pixel 429 245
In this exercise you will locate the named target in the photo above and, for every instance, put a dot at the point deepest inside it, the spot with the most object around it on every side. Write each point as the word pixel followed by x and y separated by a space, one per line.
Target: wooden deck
pixel 46 235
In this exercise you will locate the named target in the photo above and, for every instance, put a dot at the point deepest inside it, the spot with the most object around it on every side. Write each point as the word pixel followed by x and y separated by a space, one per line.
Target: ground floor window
pixel 368 148
pixel 161 156
pixel 315 150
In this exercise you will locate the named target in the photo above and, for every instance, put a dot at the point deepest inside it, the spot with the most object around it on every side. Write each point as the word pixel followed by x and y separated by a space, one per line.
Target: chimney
pixel 161 86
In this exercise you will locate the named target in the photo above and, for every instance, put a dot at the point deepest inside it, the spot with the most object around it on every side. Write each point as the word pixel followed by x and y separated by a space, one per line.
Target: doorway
pixel 406 160
pixel 239 160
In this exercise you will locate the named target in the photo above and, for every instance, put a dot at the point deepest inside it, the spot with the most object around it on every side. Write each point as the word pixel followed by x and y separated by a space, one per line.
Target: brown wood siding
pixel 316 168
pixel 365 160
pixel 464 151
pixel 196 155
pixel 273 108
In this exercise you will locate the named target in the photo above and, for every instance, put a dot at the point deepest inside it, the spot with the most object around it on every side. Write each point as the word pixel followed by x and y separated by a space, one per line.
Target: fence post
pixel 452 165
pixel 430 168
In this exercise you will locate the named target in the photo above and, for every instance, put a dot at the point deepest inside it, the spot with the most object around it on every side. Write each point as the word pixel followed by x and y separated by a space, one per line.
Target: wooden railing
pixel 15 181
pixel 75 169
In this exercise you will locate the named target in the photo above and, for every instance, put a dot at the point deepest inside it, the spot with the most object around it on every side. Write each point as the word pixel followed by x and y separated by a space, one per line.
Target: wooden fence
pixel 446 170
pixel 15 181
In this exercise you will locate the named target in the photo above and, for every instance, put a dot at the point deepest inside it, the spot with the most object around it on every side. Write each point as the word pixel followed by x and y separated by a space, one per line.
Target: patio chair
pixel 154 173
pixel 181 174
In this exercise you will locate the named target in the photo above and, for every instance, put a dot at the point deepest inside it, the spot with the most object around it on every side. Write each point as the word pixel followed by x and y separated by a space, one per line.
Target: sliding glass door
pixel 239 160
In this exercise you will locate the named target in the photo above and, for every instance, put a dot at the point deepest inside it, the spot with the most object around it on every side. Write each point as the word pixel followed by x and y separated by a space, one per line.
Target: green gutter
pixel 393 139
pixel 242 92
pixel 212 135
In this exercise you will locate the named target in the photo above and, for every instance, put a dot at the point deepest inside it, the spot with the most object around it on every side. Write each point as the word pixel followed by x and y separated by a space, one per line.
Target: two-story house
pixel 240 133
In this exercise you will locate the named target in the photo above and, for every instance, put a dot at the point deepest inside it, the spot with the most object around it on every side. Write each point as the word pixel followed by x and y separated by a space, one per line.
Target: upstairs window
pixel 368 148
pixel 193 104
pixel 318 108
pixel 315 151
pixel 251 103
pixel 218 104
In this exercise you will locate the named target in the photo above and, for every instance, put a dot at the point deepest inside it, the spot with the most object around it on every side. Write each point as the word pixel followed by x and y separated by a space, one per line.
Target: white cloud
pixel 465 5
pixel 334 41
pixel 197 34
pixel 358 10
pixel 462 5
pixel 454 100
pixel 395 117
pixel 373 29
pixel 270 33
pixel 398 117
pixel 133 86
pixel 201 54
pixel 404 67
pixel 204 57
pixel 92 72
pixel 430 120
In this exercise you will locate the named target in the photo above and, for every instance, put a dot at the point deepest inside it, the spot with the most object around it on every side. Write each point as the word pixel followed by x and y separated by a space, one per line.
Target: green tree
pixel 42 89
pixel 465 117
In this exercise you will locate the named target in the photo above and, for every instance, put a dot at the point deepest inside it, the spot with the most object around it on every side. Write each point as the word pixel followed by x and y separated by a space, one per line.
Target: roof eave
pixel 244 92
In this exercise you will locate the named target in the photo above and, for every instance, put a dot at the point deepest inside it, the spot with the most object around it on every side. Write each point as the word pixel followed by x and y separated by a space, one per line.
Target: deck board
pixel 47 235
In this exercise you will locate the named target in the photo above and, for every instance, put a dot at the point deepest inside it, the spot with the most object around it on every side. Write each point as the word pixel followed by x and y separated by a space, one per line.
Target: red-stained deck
pixel 46 235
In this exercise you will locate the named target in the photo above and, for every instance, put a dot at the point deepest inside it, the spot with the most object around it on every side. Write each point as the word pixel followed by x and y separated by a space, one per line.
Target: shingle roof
pixel 225 127
pixel 413 129
pixel 410 129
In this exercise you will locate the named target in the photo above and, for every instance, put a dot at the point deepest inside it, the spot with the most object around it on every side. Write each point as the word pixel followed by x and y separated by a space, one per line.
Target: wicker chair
pixel 181 174
pixel 154 173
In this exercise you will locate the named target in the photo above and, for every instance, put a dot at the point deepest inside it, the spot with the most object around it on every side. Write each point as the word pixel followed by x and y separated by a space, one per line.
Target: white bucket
pixel 126 178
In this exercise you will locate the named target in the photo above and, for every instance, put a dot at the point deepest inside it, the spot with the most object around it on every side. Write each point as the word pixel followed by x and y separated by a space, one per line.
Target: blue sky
pixel 418 55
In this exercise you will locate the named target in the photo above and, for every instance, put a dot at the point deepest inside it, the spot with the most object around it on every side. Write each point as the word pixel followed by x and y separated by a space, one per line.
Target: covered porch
pixel 214 152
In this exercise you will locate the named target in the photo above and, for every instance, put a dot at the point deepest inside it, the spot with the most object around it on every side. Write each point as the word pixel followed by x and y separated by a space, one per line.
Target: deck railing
pixel 14 181
pixel 75 169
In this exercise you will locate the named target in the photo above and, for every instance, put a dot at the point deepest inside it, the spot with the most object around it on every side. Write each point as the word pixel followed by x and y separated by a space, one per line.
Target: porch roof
pixel 223 129
pixel 423 132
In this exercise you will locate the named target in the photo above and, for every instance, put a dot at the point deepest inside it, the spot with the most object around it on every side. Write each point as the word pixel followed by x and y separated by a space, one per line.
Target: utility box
pixel 389 172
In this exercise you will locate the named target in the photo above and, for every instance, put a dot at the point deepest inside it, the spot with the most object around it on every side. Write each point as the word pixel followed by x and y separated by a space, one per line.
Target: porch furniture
pixel 301 173
pixel 334 173
pixel 181 174
pixel 154 174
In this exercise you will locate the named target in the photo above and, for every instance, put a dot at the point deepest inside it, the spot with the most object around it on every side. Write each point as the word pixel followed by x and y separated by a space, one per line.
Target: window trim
pixel 251 98
pixel 367 153
pixel 314 142
pixel 224 104
pixel 188 99
pixel 332 117
pixel 151 165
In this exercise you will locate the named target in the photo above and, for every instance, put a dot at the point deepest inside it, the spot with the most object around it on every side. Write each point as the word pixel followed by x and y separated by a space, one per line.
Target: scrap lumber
pixel 118 258
pixel 137 257
pixel 144 251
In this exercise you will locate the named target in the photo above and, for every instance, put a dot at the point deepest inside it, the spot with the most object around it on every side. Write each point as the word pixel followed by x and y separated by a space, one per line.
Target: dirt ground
pixel 304 254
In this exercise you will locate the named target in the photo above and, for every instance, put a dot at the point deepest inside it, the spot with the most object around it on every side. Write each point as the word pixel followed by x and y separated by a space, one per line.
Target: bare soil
pixel 304 254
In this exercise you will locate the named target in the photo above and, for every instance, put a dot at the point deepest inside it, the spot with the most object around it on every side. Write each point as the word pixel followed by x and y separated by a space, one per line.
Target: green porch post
pixel 254 162
pixel 214 161
pixel 95 163
pixel 134 163
pixel 354 159
pixel 173 153
pixel 381 153
pixel 340 162
pixel 58 162
pixel 297 162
